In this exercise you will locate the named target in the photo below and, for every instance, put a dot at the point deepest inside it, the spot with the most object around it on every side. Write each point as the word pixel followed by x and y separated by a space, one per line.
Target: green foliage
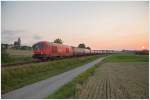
pixel 58 40
pixel 127 58
pixel 68 90
pixel 16 77
pixel 5 58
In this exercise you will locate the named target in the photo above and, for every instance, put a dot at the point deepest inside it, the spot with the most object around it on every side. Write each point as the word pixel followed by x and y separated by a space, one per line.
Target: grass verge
pixel 19 76
pixel 69 89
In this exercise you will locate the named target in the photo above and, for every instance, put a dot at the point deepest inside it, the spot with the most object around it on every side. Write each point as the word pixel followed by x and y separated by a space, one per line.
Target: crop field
pixel 120 76
pixel 124 78
pixel 21 75
pixel 25 53
pixel 17 56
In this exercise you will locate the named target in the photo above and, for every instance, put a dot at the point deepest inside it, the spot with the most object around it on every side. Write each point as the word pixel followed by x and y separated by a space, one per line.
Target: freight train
pixel 47 50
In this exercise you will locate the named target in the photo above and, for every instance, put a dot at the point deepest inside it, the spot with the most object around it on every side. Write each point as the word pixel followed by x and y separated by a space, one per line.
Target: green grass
pixel 69 89
pixel 127 58
pixel 11 56
pixel 19 76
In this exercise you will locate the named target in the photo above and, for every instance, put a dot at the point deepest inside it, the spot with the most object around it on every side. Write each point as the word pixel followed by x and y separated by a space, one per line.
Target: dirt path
pixel 44 88
pixel 117 80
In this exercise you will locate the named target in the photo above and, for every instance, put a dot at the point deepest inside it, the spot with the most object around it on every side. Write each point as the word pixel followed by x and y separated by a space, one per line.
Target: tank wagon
pixel 48 50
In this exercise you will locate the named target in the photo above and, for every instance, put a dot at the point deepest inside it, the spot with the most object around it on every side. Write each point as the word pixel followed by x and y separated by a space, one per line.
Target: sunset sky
pixel 100 25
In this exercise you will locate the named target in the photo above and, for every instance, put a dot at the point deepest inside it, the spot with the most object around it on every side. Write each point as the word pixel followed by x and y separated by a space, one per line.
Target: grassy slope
pixel 19 76
pixel 69 89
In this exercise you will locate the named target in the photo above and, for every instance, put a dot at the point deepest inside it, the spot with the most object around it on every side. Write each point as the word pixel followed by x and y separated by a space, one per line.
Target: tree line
pixel 81 45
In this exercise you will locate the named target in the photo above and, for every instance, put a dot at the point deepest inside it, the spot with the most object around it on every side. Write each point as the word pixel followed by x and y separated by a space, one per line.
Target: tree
pixel 58 40
pixel 82 45
pixel 88 48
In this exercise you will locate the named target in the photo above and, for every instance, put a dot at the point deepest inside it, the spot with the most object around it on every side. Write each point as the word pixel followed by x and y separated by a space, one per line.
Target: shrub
pixel 5 56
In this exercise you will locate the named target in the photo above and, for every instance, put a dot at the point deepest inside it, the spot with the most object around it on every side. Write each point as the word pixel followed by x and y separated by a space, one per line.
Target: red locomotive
pixel 47 50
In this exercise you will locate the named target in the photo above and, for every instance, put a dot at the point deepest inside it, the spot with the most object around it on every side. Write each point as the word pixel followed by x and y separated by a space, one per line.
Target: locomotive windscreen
pixel 38 46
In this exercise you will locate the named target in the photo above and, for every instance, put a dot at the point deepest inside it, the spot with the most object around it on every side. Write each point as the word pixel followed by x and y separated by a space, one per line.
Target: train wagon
pixel 87 51
pixel 78 51
pixel 92 52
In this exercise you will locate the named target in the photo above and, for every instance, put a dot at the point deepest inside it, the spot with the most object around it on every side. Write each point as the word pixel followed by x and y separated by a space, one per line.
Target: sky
pixel 100 25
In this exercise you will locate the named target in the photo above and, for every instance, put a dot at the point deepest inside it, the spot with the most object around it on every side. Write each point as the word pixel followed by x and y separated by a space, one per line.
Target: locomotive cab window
pixel 38 46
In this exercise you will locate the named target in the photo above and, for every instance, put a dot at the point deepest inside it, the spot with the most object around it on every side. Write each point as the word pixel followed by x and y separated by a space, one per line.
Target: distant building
pixel 17 44
pixel 6 46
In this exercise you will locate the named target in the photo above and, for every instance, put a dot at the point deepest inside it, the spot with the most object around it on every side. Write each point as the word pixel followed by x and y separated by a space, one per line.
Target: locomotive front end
pixel 39 50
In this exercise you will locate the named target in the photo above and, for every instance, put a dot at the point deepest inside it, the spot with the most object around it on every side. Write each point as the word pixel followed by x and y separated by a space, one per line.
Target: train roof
pixel 52 43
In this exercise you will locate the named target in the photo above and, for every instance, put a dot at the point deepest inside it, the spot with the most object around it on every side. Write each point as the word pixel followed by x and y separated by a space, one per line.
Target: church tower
pixel 19 42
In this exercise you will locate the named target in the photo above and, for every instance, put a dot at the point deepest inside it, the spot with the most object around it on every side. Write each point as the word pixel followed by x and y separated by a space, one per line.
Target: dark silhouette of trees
pixel 82 45
pixel 25 48
pixel 88 48
pixel 58 40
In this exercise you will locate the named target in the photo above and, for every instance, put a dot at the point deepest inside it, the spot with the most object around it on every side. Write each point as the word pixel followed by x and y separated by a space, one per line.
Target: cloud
pixel 27 38
pixel 9 36
pixel 37 37
pixel 12 32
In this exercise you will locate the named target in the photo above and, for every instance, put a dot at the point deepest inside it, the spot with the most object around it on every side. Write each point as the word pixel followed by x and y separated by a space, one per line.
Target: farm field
pixel 21 75
pixel 17 56
pixel 120 76
pixel 117 80
pixel 26 53
pixel 124 78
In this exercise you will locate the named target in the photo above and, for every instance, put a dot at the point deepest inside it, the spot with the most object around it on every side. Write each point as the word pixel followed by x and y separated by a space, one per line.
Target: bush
pixel 5 56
